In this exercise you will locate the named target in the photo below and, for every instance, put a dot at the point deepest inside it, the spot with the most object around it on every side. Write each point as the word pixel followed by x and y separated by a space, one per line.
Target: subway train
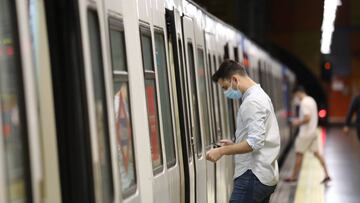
pixel 112 100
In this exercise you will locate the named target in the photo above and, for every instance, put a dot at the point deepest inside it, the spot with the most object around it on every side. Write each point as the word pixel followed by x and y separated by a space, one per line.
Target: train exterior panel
pixel 112 101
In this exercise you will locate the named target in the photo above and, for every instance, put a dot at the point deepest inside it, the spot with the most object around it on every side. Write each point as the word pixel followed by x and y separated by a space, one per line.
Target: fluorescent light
pixel 327 27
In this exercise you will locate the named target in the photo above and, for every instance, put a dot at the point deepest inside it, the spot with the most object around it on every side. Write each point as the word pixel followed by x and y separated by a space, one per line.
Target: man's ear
pixel 234 78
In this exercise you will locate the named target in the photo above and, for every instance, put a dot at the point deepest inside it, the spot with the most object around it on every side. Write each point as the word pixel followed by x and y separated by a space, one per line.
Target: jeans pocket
pixel 261 191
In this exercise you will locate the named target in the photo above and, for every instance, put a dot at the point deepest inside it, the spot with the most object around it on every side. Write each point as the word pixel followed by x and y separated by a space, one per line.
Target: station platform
pixel 342 155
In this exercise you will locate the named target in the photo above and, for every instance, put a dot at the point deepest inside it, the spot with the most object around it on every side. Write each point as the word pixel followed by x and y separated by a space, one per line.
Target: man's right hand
pixel 226 142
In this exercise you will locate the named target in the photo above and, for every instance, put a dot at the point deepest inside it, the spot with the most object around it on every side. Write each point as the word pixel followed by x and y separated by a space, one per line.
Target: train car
pixel 112 100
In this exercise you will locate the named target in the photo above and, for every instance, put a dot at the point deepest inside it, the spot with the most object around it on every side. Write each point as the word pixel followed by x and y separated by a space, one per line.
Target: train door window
pixel 201 81
pixel 226 51
pixel 193 97
pixel 123 126
pixel 189 148
pixel 212 109
pixel 231 116
pixel 13 137
pixel 217 102
pixel 223 101
pixel 236 53
pixel 100 106
pixel 151 97
pixel 162 72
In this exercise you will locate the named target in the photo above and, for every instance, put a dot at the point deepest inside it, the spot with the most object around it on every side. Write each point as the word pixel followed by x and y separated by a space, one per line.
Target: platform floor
pixel 342 154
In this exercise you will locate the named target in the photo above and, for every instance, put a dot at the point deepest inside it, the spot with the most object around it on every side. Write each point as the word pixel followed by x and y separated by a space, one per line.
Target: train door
pixel 224 167
pixel 198 165
pixel 172 168
pixel 97 95
pixel 170 182
pixel 27 165
pixel 177 177
pixel 126 161
pixel 82 101
pixel 180 94
pixel 214 116
pixel 203 93
pixel 16 130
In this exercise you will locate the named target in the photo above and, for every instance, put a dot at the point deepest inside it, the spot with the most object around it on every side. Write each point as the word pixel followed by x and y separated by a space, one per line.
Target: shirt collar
pixel 249 91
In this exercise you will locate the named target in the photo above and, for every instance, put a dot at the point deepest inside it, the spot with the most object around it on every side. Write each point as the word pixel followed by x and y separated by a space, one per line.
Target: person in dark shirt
pixel 354 108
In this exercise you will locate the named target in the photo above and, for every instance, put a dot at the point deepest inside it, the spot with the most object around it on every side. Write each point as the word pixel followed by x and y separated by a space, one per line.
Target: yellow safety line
pixel 309 189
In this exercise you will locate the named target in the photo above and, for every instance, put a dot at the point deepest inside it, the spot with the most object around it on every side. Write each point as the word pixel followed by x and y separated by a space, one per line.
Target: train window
pixel 226 51
pixel 236 53
pixel 212 109
pixel 151 97
pixel 153 124
pixel 193 97
pixel 13 135
pixel 216 99
pixel 100 106
pixel 203 96
pixel 165 98
pixel 231 115
pixel 118 50
pixel 123 126
pixel 223 111
pixel 189 148
pixel 147 50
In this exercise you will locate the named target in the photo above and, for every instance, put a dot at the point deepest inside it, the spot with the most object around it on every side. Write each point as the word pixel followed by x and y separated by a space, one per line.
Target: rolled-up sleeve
pixel 254 117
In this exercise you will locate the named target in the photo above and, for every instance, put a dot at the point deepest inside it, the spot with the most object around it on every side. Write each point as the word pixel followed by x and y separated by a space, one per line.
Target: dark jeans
pixel 248 189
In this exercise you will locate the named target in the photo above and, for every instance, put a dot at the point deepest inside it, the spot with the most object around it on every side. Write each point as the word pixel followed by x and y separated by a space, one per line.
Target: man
pixel 257 144
pixel 354 108
pixel 307 136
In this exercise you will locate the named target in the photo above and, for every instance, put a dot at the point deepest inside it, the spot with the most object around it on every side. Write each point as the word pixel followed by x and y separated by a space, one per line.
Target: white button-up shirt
pixel 308 107
pixel 257 124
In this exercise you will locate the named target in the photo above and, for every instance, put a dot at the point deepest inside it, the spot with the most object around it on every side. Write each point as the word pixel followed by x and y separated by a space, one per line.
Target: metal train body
pixel 112 101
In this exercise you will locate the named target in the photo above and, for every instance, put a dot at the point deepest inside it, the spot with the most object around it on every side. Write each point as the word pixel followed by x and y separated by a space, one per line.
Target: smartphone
pixel 215 145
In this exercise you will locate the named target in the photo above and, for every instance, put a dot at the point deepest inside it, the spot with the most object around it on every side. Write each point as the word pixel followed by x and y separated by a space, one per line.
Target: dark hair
pixel 227 69
pixel 299 88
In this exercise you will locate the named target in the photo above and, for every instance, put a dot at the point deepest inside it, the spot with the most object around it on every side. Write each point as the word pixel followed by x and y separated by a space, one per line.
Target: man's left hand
pixel 213 155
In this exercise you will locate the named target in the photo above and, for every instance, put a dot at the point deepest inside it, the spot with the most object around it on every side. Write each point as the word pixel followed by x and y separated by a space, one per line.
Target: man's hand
pixel 213 155
pixel 226 142
pixel 346 130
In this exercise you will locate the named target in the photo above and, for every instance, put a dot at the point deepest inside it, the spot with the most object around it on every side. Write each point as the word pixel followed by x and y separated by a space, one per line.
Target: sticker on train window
pixel 124 137
pixel 156 155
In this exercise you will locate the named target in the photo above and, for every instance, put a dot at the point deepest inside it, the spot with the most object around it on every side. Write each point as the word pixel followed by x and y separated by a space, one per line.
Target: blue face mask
pixel 232 94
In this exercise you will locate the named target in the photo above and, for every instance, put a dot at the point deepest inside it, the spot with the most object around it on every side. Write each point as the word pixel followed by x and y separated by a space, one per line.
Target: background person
pixel 307 136
pixel 354 108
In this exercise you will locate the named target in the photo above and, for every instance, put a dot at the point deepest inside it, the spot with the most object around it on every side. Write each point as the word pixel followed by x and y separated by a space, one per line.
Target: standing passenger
pixel 257 144
pixel 354 108
pixel 307 136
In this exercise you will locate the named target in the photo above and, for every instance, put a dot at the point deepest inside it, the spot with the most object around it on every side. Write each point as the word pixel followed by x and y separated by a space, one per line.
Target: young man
pixel 354 108
pixel 257 144
pixel 307 136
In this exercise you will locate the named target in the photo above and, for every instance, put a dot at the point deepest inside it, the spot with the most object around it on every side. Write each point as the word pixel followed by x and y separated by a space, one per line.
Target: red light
pixel 322 113
pixel 327 66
